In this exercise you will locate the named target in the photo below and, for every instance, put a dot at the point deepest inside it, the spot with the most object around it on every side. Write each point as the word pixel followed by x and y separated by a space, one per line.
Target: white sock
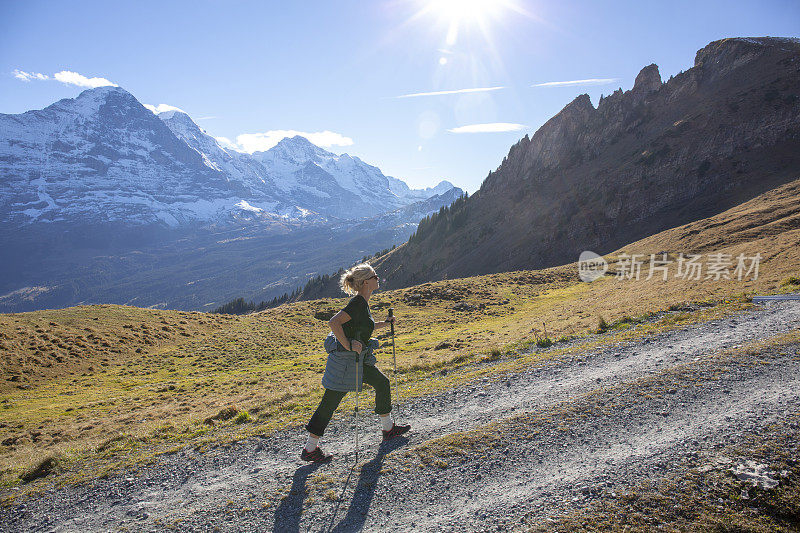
pixel 387 422
pixel 311 443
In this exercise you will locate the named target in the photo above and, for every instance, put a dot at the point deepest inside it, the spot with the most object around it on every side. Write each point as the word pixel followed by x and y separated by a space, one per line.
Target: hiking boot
pixel 317 456
pixel 395 431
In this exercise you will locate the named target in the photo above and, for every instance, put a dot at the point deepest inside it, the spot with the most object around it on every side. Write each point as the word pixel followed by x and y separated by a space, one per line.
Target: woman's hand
pixel 389 321
pixel 356 346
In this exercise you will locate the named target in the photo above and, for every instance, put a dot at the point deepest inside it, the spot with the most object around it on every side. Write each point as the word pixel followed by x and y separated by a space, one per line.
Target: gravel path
pixel 640 407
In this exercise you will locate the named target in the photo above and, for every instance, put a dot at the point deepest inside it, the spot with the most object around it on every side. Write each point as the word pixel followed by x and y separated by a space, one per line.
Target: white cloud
pixel 590 81
pixel 227 143
pixel 73 78
pixel 456 91
pixel 65 76
pixel 258 142
pixel 161 108
pixel 491 127
pixel 28 76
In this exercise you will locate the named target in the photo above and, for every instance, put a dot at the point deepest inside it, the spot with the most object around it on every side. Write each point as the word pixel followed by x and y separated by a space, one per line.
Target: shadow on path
pixel 364 490
pixel 290 510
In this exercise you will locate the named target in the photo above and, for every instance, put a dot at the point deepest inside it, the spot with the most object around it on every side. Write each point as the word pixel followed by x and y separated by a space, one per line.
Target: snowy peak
pixel 92 101
pixel 181 125
pixel 339 185
pixel 241 170
pixel 299 149
pixel 402 190
pixel 104 156
pixel 440 188
pixel 179 117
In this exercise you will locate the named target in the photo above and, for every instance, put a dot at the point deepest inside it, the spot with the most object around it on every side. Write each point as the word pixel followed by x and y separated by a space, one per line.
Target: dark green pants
pixel 332 398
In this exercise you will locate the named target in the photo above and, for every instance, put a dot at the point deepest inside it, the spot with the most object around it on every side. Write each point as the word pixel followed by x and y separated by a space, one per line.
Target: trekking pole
pixel 394 358
pixel 358 357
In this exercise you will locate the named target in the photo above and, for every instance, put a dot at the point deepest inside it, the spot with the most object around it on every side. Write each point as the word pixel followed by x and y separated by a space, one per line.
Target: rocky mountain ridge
pixel 647 159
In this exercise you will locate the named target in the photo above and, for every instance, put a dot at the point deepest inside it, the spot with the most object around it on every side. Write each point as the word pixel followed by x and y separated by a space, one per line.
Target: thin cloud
pixel 258 142
pixel 590 81
pixel 65 76
pixel 161 108
pixel 490 127
pixel 205 118
pixel 73 78
pixel 28 76
pixel 456 91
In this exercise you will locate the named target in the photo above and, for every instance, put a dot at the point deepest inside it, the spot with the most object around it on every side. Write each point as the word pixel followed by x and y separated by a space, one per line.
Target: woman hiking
pixel 351 329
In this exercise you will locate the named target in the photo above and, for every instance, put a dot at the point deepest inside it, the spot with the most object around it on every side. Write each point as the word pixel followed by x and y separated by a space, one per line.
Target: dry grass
pixel 108 386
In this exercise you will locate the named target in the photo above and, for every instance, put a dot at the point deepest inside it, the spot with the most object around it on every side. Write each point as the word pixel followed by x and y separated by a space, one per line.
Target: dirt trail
pixel 259 484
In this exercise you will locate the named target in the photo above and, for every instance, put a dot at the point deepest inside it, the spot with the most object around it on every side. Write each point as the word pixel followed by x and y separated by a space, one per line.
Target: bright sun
pixel 458 14
pixel 467 10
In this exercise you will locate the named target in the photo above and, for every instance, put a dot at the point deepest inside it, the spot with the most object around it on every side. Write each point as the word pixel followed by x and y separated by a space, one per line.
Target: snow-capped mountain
pixel 337 185
pixel 402 190
pixel 103 201
pixel 103 156
pixel 241 171
pixel 244 170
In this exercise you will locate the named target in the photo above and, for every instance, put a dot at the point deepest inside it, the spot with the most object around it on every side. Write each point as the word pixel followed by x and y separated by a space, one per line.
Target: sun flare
pixel 467 10
pixel 458 15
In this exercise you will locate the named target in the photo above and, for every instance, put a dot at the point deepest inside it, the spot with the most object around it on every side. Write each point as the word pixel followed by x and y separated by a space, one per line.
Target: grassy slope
pixel 106 386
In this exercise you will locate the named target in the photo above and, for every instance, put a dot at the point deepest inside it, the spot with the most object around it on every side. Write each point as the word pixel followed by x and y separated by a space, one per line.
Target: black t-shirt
pixel 360 325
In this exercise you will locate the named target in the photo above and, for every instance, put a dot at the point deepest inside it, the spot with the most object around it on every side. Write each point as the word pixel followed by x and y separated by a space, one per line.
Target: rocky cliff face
pixel 656 156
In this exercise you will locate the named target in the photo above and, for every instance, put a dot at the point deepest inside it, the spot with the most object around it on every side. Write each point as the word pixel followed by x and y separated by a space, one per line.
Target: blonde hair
pixel 354 277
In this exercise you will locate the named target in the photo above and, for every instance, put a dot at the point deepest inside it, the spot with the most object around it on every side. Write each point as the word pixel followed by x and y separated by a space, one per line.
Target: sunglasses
pixel 373 277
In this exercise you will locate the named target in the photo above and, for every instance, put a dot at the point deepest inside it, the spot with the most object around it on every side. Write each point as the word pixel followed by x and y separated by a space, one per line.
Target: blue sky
pixel 248 71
